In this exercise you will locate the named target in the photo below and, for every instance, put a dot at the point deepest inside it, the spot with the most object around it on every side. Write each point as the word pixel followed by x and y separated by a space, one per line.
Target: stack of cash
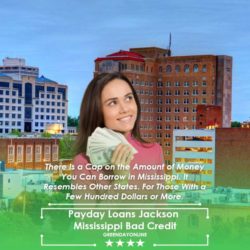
pixel 102 143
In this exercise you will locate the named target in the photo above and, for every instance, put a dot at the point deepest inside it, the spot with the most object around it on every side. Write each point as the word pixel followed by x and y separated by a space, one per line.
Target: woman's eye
pixel 130 97
pixel 112 103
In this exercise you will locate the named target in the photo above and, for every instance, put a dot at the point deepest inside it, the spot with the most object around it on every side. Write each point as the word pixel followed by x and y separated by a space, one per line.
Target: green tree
pixel 46 135
pixel 30 203
pixel 66 147
pixel 63 181
pixel 73 121
pixel 235 124
pixel 16 132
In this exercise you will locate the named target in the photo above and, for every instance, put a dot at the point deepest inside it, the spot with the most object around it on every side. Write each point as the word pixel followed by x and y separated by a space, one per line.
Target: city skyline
pixel 63 41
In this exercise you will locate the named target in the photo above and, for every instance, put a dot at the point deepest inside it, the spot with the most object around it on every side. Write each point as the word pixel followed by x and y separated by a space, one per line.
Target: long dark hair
pixel 91 115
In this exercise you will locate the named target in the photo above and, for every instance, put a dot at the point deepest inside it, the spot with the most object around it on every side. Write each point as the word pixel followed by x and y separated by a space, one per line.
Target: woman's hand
pixel 122 156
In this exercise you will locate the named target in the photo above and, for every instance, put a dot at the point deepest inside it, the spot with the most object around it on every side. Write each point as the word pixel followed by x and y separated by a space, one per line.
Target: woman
pixel 111 101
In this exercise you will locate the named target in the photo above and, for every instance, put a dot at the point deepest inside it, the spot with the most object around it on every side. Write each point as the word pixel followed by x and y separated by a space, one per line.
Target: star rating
pixel 140 243
pixel 130 243
pixel 120 243
pixel 109 243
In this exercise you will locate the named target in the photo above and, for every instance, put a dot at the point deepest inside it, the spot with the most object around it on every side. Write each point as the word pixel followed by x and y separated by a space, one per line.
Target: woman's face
pixel 119 106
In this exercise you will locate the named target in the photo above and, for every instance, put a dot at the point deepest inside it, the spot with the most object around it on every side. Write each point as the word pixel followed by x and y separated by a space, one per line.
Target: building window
pixel 28 112
pixel 177 84
pixel 158 135
pixel 195 92
pixel 168 93
pixel 186 68
pixel 159 109
pixel 195 68
pixel 19 157
pixel 195 100
pixel 159 84
pixel 177 110
pixel 158 127
pixel 168 127
pixel 159 92
pixel 168 110
pixel 177 92
pixel 47 153
pixel 168 136
pixel 204 83
pixel 38 153
pixel 204 68
pixel 55 153
pixel 168 101
pixel 177 68
pixel 11 153
pixel 168 84
pixel 28 93
pixel 168 69
pixel 29 153
pixel 159 101
pixel 186 84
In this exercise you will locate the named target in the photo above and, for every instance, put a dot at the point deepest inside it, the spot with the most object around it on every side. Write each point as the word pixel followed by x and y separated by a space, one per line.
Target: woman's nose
pixel 123 107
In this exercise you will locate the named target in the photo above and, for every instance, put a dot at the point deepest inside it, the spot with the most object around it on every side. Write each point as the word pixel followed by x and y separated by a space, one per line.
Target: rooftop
pixel 122 55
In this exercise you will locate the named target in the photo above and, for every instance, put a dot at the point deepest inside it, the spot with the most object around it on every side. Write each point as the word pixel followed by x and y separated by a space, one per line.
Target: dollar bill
pixel 102 143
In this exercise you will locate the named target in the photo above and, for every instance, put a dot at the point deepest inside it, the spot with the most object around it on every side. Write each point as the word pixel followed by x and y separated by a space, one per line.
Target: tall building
pixel 171 87
pixel 29 103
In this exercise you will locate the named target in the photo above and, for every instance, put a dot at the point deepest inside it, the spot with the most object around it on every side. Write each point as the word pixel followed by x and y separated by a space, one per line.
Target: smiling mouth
pixel 125 118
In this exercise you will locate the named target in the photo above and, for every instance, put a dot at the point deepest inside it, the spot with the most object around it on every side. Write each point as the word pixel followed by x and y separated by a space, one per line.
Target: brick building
pixel 232 157
pixel 171 87
pixel 29 153
pixel 209 117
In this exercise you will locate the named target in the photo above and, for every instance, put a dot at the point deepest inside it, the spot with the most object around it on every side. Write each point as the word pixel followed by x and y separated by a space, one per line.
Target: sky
pixel 64 37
